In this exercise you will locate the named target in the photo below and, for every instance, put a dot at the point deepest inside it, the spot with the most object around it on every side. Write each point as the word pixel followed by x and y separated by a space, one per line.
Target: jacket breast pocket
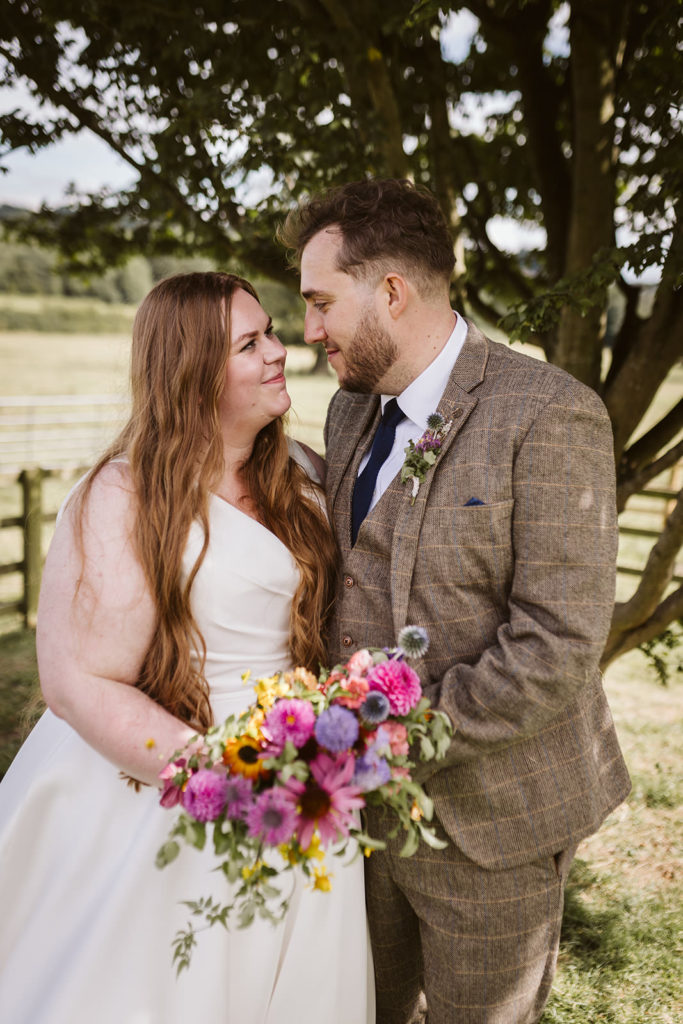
pixel 468 546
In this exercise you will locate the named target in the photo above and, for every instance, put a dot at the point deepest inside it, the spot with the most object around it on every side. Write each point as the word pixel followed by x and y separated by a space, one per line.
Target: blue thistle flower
pixel 413 641
pixel 435 421
pixel 375 708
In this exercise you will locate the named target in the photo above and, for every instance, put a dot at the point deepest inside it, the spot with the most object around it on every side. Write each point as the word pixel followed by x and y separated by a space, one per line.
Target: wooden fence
pixel 33 515
pixel 56 430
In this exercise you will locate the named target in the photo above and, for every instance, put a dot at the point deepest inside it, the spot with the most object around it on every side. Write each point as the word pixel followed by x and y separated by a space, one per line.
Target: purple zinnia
pixel 238 796
pixel 273 818
pixel 336 729
pixel 289 719
pixel 375 707
pixel 371 772
pixel 204 795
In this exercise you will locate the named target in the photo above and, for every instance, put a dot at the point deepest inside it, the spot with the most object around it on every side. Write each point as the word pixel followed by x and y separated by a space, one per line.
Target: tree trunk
pixel 320 366
pixel 579 337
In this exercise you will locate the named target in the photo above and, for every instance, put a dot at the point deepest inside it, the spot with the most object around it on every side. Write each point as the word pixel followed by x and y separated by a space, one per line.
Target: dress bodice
pixel 241 600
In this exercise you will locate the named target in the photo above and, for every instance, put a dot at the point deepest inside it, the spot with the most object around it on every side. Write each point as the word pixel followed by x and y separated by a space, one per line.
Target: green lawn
pixel 620 952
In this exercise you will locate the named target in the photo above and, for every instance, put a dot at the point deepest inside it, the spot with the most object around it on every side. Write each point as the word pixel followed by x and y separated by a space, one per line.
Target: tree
pixel 563 116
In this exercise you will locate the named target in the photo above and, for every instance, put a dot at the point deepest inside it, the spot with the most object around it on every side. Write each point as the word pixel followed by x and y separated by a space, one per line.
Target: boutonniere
pixel 423 453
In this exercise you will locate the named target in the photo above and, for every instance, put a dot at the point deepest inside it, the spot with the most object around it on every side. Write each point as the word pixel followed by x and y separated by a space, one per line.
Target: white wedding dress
pixel 86 919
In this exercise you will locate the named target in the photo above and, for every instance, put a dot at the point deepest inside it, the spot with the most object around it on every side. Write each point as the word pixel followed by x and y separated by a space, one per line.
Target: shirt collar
pixel 421 398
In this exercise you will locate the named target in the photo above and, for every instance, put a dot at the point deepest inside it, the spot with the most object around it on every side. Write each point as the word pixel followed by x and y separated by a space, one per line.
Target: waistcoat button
pixel 348 581
pixel 347 640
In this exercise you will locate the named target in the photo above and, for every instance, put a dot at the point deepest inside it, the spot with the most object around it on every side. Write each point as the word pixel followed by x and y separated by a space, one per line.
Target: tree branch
pixel 647 446
pixel 636 482
pixel 656 575
pixel 667 612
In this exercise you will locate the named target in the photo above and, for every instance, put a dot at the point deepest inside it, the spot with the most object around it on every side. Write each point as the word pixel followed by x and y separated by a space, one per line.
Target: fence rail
pixel 57 431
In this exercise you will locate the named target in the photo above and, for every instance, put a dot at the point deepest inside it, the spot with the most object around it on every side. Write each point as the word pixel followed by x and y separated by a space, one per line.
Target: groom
pixel 504 551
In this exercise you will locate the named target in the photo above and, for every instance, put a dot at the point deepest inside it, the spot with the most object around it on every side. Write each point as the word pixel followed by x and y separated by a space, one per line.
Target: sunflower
pixel 241 755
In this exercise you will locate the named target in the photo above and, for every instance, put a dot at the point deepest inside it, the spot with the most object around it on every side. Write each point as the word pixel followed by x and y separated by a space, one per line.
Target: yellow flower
pixel 288 854
pixel 241 756
pixel 150 743
pixel 323 881
pixel 253 726
pixel 415 812
pixel 269 689
pixel 251 869
pixel 315 850
pixel 367 850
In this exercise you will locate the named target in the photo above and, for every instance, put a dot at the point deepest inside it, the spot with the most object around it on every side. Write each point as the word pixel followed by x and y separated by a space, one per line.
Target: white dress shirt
pixel 418 401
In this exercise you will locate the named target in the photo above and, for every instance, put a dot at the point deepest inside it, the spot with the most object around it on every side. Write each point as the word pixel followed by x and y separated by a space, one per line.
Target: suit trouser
pixel 480 945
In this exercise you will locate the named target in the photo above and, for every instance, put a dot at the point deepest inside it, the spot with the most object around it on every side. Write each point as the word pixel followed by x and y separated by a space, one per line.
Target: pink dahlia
pixel 204 796
pixel 398 682
pixel 327 801
pixel 289 719
pixel 273 817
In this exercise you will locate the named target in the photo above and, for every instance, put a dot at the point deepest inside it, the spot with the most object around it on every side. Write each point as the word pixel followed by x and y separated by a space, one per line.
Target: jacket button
pixel 347 640
pixel 348 581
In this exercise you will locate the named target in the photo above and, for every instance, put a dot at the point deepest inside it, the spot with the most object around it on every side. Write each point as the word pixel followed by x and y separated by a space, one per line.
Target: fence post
pixel 32 489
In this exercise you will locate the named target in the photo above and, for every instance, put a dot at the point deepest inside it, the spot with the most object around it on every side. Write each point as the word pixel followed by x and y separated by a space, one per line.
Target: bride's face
pixel 255 390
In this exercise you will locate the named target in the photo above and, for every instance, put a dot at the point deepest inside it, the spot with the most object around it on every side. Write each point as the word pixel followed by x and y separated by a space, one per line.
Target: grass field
pixel 621 944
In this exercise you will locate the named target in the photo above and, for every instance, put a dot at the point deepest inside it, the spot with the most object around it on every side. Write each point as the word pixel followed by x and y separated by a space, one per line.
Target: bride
pixel 196 548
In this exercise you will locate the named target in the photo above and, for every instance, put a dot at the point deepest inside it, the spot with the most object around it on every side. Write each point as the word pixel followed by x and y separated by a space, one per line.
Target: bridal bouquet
pixel 278 786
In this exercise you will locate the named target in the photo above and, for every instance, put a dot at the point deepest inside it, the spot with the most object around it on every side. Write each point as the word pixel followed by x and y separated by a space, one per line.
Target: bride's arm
pixel 92 638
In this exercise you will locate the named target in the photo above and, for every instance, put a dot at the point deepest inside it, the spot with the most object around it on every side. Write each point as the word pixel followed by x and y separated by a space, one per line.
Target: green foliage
pixel 659 650
pixel 580 291
pixel 31 270
pixel 59 314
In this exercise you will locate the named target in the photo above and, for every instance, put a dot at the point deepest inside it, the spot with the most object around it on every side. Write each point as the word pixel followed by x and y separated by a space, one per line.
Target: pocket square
pixel 474 501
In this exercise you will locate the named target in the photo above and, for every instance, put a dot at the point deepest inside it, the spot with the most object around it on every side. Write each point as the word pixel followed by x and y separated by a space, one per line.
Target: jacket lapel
pixel 357 418
pixel 455 406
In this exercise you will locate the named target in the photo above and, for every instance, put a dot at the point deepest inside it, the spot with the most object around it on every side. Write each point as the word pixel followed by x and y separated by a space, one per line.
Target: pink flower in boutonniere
pixel 423 453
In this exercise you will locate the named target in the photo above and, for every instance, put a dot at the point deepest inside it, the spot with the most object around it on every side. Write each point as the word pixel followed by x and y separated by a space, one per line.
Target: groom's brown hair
pixel 381 220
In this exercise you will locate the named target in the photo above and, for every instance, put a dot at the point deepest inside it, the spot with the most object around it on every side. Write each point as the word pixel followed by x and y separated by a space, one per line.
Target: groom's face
pixel 341 314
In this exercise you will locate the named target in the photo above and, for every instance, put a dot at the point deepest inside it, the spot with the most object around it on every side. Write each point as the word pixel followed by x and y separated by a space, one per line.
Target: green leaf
pixel 167 854
pixel 411 844
pixel 427 834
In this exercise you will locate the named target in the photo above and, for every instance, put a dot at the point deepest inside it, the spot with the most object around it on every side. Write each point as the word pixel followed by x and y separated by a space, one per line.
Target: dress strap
pixel 299 455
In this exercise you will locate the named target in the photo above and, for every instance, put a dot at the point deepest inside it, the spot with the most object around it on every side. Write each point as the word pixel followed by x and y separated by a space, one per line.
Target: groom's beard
pixel 370 355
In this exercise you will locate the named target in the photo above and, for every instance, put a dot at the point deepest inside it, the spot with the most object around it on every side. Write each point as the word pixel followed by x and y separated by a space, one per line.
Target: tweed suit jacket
pixel 516 594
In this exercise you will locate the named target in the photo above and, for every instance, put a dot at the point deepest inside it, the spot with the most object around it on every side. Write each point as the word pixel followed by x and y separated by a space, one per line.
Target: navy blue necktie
pixel 381 446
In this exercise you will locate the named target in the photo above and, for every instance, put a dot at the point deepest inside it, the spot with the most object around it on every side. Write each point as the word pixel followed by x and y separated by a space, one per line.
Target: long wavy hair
pixel 173 446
